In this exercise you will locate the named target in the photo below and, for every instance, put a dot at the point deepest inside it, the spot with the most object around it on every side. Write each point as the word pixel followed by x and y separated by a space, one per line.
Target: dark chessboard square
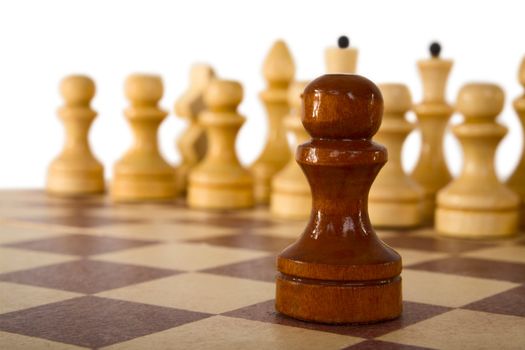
pixel 249 241
pixel 383 345
pixel 78 219
pixel 230 221
pixel 79 244
pixel 86 276
pixel 412 313
pixel 263 269
pixel 94 322
pixel 435 244
pixel 489 269
pixel 511 302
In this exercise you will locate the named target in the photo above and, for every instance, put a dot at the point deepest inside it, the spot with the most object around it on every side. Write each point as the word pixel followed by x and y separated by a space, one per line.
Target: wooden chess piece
pixel 76 171
pixel 339 271
pixel 142 174
pixel 433 114
pixel 341 59
pixel 477 204
pixel 291 196
pixel 279 71
pixel 192 143
pixel 219 181
pixel 395 199
pixel 517 180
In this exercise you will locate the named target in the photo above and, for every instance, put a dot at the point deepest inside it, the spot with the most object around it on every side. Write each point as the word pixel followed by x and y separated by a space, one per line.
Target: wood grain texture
pixel 192 142
pixel 76 171
pixel 477 204
pixel 517 180
pixel 395 199
pixel 142 174
pixel 279 71
pixel 339 271
pixel 219 181
pixel 433 114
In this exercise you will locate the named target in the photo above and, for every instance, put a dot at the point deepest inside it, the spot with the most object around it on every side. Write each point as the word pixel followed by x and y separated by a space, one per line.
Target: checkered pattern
pixel 87 274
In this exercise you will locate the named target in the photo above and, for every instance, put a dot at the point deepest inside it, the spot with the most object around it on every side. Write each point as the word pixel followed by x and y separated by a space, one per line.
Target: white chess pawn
pixel 517 180
pixel 477 204
pixel 76 171
pixel 142 174
pixel 219 181
pixel 395 199
pixel 291 196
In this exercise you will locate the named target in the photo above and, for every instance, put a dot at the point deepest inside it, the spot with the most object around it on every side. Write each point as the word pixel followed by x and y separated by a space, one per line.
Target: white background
pixel 42 41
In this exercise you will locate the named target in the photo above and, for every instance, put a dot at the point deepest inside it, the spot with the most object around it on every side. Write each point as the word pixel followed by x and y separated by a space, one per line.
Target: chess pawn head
pixel 339 106
pixel 223 95
pixel 341 112
pixel 396 97
pixel 278 67
pixel 77 90
pixel 480 102
pixel 341 59
pixel 143 89
pixel 434 74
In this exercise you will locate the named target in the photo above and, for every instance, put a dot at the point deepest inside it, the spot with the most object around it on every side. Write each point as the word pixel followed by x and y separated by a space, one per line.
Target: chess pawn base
pixel 428 209
pixel 290 199
pixel 262 175
pixel 75 181
pixel 396 203
pixel 395 214
pixel 233 190
pixel 476 224
pixel 338 302
pixel 133 185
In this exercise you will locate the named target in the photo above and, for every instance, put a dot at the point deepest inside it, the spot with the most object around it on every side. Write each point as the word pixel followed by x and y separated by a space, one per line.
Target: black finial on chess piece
pixel 343 42
pixel 435 49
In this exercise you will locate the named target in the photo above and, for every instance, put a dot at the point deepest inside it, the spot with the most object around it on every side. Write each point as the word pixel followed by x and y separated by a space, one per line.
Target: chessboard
pixel 85 273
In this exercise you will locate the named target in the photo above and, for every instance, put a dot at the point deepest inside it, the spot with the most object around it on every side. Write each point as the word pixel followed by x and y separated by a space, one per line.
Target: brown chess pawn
pixel 339 271
pixel 517 180
pixel 76 171
pixel 142 174
pixel 477 204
